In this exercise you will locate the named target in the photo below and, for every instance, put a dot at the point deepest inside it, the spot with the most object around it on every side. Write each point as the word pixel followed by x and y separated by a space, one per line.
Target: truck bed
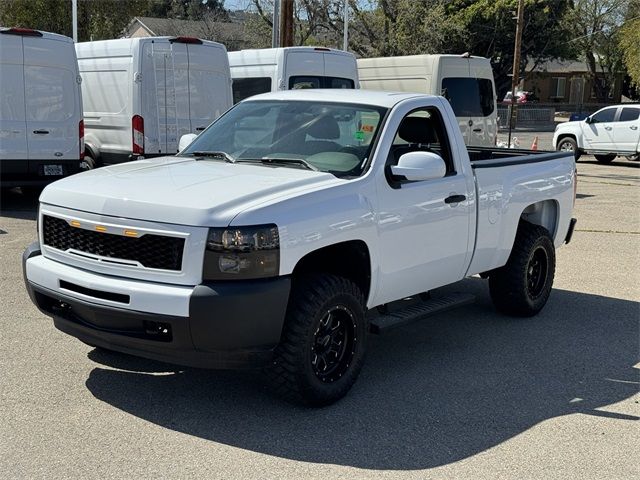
pixel 482 157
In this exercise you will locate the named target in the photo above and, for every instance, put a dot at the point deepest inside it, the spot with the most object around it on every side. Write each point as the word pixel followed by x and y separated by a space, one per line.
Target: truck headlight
pixel 238 253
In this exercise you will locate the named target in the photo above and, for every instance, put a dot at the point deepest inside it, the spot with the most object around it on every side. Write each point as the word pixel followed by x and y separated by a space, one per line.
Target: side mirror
pixel 416 166
pixel 587 120
pixel 185 141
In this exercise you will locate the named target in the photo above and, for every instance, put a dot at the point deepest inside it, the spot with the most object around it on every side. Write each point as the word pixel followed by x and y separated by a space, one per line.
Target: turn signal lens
pixel 75 223
pixel 130 233
pixel 100 228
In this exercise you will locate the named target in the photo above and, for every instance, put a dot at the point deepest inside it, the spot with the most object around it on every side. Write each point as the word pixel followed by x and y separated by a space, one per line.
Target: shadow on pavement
pixel 15 204
pixel 430 394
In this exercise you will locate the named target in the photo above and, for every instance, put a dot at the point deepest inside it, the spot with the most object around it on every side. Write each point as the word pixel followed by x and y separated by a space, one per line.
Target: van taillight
pixel 26 32
pixel 186 40
pixel 81 138
pixel 137 124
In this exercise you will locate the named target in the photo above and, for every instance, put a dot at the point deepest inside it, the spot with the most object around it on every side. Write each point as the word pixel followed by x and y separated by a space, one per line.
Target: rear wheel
pixel 605 158
pixel 88 163
pixel 522 287
pixel 323 342
pixel 568 144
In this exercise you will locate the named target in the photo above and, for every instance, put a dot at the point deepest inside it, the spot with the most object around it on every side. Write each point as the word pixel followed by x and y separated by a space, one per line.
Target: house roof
pixel 223 32
pixel 561 66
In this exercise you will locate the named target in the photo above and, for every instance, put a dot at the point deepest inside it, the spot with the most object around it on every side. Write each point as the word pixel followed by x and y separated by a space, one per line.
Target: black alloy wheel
pixel 334 344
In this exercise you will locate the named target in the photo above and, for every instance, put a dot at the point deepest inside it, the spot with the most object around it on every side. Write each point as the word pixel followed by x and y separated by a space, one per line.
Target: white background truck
pixel 288 229
pixel 41 126
pixel 608 133
pixel 142 94
pixel 265 70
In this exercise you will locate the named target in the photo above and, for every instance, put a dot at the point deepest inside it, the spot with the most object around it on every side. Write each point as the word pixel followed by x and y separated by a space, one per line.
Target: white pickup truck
pixel 285 232
pixel 608 133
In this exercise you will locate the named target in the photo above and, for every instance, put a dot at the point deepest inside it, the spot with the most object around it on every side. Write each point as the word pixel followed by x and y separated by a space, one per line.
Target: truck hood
pixel 180 190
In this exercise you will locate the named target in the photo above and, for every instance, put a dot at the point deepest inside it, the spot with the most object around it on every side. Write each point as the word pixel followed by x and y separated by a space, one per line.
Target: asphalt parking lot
pixel 470 394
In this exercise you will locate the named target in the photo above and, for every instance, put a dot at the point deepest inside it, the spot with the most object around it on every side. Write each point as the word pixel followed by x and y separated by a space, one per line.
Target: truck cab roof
pixel 362 97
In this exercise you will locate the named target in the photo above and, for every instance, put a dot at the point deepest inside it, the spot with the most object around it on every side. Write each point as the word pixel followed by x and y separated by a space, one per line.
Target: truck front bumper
pixel 228 324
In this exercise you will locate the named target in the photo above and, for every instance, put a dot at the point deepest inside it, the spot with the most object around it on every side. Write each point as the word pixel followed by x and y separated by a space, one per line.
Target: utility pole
pixel 345 33
pixel 275 31
pixel 74 19
pixel 516 68
pixel 286 23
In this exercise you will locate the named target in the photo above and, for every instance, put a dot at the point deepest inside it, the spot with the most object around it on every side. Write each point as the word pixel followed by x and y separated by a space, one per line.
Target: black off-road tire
pixel 297 373
pixel 608 158
pixel 569 144
pixel 522 287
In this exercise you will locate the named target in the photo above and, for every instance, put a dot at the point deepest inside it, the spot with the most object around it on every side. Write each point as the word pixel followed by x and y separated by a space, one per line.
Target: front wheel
pixel 568 144
pixel 605 158
pixel 522 287
pixel 323 343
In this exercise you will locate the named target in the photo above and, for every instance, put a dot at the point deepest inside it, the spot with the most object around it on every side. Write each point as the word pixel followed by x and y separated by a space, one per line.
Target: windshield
pixel 328 137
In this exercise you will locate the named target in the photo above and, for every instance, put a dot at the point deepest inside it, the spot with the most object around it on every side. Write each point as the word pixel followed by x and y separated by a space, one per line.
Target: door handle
pixel 477 129
pixel 199 129
pixel 455 199
pixel 607 128
pixel 41 132
pixel 633 127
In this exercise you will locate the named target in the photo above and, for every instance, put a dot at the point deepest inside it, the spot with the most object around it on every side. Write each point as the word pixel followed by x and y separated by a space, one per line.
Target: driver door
pixel 598 133
pixel 423 233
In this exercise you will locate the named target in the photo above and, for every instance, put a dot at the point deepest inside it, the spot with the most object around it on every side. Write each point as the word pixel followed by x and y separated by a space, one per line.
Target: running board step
pixel 426 308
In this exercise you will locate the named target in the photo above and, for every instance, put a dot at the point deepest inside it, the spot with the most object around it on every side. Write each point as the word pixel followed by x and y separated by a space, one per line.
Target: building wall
pixel 578 87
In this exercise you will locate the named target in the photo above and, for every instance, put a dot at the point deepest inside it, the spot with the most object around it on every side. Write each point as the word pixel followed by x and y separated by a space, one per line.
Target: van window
pixel 105 92
pixel 49 93
pixel 469 97
pixel 298 82
pixel 248 87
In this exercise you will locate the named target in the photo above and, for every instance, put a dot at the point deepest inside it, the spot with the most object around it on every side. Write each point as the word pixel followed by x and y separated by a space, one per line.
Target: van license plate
pixel 53 169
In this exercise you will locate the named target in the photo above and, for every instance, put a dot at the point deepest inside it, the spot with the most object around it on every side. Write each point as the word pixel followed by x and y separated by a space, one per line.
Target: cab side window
pixel 604 116
pixel 422 130
pixel 629 114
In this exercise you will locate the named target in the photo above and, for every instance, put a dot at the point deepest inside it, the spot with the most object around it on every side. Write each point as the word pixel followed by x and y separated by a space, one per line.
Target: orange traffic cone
pixel 534 145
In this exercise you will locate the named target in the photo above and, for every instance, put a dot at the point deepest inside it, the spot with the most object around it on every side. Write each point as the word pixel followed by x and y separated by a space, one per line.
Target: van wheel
pixel 522 287
pixel 88 163
pixel 605 158
pixel 323 343
pixel 568 144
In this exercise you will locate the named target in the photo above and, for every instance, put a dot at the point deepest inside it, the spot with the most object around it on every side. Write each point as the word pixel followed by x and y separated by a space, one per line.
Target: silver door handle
pixel 633 127
pixel 607 128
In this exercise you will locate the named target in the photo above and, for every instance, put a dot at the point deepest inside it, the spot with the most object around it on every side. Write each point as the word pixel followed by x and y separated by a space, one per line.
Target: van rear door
pixel 52 94
pixel 189 87
pixel 13 123
pixel 209 85
pixel 164 95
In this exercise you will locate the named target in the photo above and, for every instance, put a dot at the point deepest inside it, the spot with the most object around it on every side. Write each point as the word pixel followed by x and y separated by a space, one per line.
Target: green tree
pixel 96 19
pixel 597 28
pixel 487 28
pixel 629 37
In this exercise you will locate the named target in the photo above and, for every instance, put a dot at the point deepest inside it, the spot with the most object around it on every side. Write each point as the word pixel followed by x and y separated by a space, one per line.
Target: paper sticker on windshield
pixel 367 128
pixel 359 135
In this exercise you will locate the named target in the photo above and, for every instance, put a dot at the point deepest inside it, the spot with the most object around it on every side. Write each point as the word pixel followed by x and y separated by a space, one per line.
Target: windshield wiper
pixel 213 154
pixel 275 160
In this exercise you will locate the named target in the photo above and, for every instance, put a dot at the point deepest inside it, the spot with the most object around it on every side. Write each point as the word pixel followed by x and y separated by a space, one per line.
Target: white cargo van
pixel 467 82
pixel 290 68
pixel 41 128
pixel 142 94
